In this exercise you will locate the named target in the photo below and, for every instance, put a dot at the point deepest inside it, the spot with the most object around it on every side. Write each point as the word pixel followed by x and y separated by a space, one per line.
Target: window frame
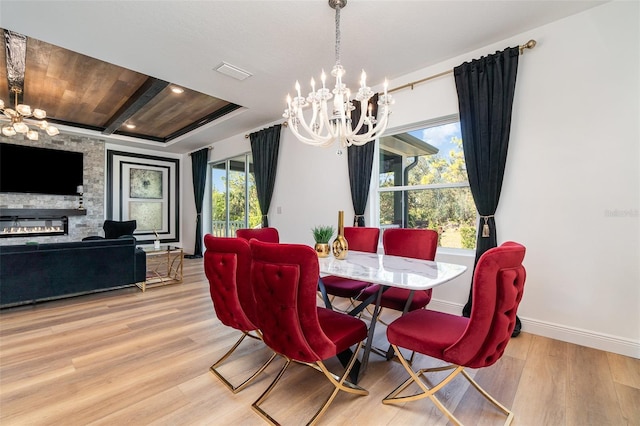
pixel 227 168
pixel 376 190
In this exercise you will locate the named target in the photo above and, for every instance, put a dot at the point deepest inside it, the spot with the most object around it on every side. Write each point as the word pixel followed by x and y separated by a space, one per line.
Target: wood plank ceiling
pixel 80 91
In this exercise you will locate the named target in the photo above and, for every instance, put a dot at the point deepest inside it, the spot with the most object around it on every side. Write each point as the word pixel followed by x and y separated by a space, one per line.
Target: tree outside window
pixel 234 200
pixel 423 184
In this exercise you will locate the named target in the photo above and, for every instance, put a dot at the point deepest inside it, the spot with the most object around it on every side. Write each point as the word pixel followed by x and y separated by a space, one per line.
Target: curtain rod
pixel 210 148
pixel 285 124
pixel 528 45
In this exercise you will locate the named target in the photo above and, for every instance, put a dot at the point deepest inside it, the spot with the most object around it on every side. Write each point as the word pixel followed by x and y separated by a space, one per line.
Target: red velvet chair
pixel 413 243
pixel 269 235
pixel 475 342
pixel 359 239
pixel 227 265
pixel 405 242
pixel 284 279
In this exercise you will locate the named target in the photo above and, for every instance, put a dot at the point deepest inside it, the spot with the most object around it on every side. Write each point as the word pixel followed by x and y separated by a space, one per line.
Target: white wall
pixel 571 189
pixel 576 149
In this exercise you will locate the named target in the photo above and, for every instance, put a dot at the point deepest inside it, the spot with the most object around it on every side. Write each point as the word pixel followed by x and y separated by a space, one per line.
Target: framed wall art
pixel 146 189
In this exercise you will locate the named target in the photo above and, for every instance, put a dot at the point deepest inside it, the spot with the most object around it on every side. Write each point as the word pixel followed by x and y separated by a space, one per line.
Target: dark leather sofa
pixel 32 273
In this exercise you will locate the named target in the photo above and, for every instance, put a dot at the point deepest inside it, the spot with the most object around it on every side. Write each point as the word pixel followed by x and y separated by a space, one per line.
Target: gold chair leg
pixel 393 397
pixel 368 309
pixel 339 382
pixel 339 385
pixel 245 383
pixel 256 405
pixel 330 296
pixel 491 399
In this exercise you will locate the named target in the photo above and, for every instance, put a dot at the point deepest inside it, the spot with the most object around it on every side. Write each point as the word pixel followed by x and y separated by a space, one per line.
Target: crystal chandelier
pixel 331 121
pixel 20 118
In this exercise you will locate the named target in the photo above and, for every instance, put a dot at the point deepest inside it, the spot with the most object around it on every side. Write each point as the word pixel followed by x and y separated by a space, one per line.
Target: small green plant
pixel 322 234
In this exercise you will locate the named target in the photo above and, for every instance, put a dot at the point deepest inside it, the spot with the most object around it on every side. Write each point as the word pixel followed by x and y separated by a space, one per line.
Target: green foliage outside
pixel 236 200
pixel 450 211
pixel 468 235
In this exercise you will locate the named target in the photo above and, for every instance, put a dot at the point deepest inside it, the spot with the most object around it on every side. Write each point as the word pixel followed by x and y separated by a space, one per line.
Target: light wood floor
pixel 127 357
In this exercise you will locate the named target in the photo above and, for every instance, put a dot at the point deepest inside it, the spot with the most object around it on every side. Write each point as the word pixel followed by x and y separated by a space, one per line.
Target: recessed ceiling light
pixel 131 126
pixel 176 89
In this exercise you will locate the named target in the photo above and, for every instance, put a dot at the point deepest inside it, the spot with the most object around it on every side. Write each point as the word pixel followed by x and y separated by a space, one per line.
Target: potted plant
pixel 322 235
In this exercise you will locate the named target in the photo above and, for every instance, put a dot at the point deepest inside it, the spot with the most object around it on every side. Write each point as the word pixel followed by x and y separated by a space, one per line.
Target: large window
pixel 423 183
pixel 234 201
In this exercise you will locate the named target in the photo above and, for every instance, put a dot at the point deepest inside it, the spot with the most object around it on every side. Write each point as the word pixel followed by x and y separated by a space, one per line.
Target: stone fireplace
pixel 80 224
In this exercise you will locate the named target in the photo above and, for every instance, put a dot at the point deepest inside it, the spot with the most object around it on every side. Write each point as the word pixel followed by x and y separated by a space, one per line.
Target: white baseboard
pixel 601 341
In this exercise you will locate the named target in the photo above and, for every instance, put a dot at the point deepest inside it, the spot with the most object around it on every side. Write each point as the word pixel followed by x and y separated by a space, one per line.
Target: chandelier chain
pixel 338 34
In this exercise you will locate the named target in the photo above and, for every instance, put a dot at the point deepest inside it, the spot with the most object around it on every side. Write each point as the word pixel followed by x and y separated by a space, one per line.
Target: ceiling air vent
pixel 232 71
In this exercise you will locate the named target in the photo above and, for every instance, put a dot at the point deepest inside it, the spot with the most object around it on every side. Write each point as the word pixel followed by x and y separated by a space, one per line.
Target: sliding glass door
pixel 234 201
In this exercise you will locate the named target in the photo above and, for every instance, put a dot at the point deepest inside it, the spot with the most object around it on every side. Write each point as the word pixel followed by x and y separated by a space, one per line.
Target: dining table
pixel 387 271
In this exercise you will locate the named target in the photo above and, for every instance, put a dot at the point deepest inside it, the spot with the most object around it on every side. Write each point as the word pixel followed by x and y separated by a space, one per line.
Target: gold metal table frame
pixel 164 266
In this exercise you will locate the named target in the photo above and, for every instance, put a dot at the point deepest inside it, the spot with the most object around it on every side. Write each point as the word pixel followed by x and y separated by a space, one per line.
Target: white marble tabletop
pixel 389 271
pixel 394 271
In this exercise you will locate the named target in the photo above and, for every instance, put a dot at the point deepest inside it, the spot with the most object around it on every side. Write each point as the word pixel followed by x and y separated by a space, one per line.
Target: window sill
pixel 445 251
pixel 456 252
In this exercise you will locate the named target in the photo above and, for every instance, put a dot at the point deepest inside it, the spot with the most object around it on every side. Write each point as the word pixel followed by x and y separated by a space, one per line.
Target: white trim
pixel 578 336
pixel 421 187
pixel 602 341
pixel 156 146
pixel 434 122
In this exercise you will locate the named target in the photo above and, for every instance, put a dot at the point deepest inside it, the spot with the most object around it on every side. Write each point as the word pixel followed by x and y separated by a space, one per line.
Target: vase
pixel 340 246
pixel 322 249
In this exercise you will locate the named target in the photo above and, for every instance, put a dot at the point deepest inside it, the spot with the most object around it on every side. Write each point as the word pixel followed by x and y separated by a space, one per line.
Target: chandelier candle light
pixel 332 121
pixel 19 117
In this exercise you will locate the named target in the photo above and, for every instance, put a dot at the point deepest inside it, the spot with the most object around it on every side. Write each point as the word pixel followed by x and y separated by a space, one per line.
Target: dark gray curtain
pixel 360 159
pixel 199 161
pixel 486 88
pixel 264 148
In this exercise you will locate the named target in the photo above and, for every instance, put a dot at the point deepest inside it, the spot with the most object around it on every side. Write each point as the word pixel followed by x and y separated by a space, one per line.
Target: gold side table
pixel 164 266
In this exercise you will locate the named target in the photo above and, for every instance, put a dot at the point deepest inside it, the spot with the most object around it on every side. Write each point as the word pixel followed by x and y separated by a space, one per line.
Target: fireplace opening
pixel 33 227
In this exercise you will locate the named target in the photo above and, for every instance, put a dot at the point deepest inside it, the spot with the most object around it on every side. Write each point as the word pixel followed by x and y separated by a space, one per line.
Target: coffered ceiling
pixel 99 65
pixel 83 92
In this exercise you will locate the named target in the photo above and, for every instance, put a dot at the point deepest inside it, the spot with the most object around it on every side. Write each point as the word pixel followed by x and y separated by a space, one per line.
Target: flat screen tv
pixel 28 169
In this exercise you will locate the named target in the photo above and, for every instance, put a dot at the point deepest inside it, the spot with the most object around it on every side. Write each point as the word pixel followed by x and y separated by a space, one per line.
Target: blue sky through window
pixel 440 137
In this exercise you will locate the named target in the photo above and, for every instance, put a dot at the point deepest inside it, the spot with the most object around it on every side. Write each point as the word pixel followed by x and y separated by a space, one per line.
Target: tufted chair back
pixel 269 235
pixel 284 279
pixel 498 285
pixel 358 239
pixel 227 265
pixel 413 243
pixel 362 238
pixel 475 342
